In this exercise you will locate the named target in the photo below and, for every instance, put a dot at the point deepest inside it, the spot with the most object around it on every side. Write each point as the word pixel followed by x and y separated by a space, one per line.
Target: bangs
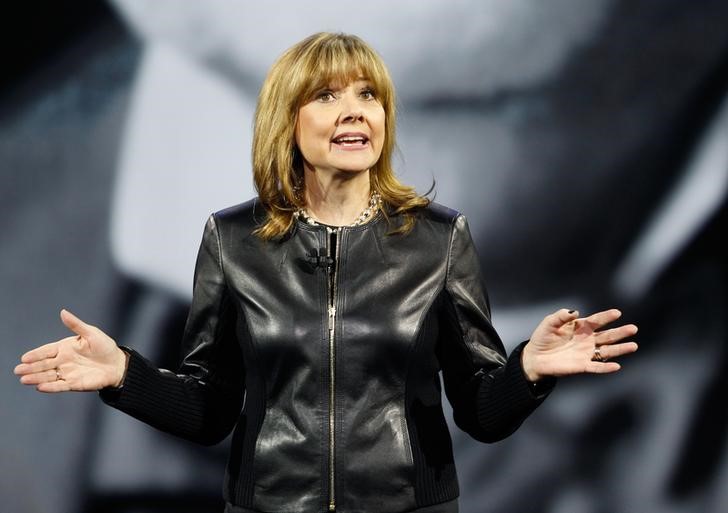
pixel 340 61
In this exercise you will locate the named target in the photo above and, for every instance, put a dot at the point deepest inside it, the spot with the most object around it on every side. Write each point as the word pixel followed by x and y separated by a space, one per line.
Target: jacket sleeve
pixel 203 400
pixel 489 392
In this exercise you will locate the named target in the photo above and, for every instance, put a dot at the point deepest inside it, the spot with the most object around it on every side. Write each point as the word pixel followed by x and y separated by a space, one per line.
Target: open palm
pixel 564 343
pixel 91 360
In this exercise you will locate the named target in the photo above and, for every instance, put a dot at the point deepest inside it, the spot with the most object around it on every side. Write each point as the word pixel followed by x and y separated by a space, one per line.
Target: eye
pixel 368 94
pixel 325 96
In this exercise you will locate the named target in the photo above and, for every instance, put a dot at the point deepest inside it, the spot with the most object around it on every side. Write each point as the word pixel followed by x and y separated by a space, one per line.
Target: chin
pixel 355 167
pixel 354 170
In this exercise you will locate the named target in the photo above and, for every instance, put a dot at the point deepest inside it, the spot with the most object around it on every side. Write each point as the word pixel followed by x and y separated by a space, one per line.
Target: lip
pixel 351 134
pixel 351 147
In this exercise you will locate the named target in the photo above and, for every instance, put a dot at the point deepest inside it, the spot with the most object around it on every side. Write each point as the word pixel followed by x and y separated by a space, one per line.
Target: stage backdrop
pixel 586 142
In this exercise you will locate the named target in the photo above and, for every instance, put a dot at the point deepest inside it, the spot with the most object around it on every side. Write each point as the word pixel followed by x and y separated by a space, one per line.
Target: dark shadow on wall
pixel 63 96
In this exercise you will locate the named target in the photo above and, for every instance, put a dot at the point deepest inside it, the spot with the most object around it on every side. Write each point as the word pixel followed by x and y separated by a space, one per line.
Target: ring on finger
pixel 598 356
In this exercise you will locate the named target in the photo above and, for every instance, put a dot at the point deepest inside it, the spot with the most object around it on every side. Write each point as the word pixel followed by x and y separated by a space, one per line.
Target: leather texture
pixel 258 359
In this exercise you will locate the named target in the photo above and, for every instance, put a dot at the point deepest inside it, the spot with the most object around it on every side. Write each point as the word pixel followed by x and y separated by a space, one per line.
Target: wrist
pixel 121 367
pixel 528 365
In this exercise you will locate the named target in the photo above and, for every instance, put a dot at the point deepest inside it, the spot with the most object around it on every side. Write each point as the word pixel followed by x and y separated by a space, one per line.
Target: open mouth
pixel 350 140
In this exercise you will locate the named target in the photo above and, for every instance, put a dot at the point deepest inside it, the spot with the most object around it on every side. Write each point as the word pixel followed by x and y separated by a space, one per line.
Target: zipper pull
pixel 332 315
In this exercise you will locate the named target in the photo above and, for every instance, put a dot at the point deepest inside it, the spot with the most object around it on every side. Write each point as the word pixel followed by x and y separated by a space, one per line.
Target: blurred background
pixel 587 143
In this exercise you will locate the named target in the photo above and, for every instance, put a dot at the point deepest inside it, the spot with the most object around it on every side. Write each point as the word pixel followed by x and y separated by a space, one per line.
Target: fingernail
pixel 572 311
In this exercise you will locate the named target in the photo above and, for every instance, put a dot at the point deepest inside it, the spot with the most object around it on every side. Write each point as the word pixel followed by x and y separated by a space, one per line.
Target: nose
pixel 351 110
pixel 353 116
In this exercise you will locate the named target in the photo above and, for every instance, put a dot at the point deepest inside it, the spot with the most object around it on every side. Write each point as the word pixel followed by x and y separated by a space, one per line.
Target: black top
pixel 336 347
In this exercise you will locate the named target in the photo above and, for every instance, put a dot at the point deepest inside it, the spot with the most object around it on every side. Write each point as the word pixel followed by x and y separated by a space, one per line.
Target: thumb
pixel 75 324
pixel 561 317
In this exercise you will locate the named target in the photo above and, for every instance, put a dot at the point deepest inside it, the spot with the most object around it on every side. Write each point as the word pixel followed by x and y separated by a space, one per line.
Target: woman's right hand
pixel 89 361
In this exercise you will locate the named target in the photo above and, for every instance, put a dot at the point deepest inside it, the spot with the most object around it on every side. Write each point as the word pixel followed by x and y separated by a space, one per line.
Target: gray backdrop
pixel 587 142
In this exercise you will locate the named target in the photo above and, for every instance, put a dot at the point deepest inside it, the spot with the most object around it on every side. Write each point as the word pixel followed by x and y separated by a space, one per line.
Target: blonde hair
pixel 312 64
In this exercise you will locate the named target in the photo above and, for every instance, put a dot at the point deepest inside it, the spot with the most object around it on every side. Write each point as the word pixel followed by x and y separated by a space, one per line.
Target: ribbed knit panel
pixel 176 405
pixel 433 485
pixel 238 487
pixel 505 398
pixel 239 478
pixel 435 476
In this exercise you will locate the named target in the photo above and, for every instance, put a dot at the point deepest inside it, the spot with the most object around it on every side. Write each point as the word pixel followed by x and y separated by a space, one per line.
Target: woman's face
pixel 341 129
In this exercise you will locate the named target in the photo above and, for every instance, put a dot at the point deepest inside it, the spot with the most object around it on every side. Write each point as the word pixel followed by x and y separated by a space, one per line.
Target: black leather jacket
pixel 323 351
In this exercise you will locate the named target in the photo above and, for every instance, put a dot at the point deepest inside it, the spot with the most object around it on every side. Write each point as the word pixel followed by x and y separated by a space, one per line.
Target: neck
pixel 336 199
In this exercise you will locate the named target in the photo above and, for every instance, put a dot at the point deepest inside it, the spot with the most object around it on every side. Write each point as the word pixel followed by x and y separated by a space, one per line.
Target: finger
pixel 602 367
pixel 599 319
pixel 616 350
pixel 75 324
pixel 40 377
pixel 53 387
pixel 49 350
pixel 615 334
pixel 35 367
pixel 561 317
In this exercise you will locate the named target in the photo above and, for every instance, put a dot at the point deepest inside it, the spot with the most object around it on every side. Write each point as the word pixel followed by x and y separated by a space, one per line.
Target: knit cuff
pixel 137 373
pixel 506 391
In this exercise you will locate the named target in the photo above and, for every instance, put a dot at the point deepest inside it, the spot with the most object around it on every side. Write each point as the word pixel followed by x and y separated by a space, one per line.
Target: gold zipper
pixel 335 236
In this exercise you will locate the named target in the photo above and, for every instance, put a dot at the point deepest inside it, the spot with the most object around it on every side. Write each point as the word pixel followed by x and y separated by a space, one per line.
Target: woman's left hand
pixel 565 344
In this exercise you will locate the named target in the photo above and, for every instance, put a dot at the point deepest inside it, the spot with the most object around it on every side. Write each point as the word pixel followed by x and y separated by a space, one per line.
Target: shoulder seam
pixel 219 246
pixel 449 247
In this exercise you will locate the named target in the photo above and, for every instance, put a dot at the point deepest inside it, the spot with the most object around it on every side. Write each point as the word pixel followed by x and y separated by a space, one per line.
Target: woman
pixel 323 312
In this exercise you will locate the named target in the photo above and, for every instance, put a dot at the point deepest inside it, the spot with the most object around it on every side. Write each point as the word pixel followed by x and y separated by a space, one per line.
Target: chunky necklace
pixel 375 201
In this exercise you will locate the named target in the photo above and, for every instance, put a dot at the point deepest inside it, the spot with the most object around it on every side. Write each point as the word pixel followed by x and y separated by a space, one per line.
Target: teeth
pixel 349 139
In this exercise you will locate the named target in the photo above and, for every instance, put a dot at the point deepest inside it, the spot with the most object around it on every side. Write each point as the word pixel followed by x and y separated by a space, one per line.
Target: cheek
pixel 310 130
pixel 379 126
